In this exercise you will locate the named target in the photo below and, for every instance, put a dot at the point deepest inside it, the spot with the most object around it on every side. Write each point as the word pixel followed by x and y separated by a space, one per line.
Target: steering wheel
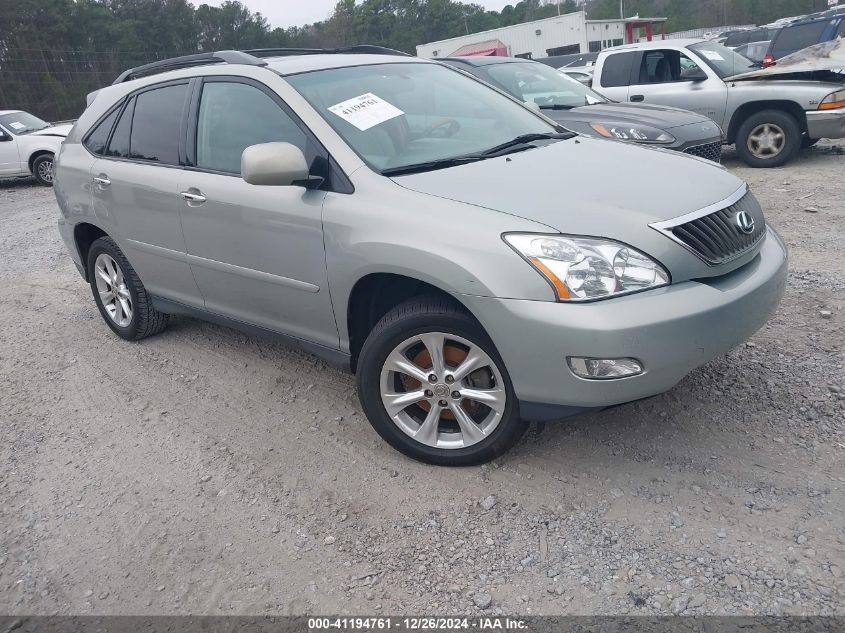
pixel 450 127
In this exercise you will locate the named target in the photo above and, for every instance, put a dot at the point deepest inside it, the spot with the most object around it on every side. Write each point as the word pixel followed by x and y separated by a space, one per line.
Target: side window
pixel 841 31
pixel 666 66
pixel 616 70
pixel 156 124
pixel 794 38
pixel 119 144
pixel 233 116
pixel 99 136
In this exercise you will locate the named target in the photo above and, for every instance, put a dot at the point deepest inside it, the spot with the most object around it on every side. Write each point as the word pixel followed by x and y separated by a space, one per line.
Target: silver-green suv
pixel 474 263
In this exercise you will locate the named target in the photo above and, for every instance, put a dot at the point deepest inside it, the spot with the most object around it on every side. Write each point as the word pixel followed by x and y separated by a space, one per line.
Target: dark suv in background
pixel 814 29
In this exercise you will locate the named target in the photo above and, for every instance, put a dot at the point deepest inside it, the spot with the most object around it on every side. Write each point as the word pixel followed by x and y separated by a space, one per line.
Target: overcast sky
pixel 285 13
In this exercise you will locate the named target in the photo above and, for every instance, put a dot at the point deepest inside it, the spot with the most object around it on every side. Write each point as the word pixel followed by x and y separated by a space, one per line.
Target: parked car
pixel 581 74
pixel 755 51
pixel 582 110
pixel 474 263
pixel 742 38
pixel 28 145
pixel 810 30
pixel 768 117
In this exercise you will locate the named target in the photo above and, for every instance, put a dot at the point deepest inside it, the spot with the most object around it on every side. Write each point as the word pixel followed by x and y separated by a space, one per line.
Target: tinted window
pixel 233 116
pixel 738 39
pixel 841 31
pixel 616 70
pixel 794 38
pixel 155 126
pixel 119 145
pixel 99 136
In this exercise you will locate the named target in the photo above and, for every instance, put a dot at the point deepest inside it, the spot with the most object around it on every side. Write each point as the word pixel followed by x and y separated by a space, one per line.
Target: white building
pixel 557 35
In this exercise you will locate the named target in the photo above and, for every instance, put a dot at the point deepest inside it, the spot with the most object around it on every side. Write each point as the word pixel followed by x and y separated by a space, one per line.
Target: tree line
pixel 53 52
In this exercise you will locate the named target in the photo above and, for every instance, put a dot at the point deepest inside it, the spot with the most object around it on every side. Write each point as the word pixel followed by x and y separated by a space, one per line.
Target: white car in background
pixel 28 145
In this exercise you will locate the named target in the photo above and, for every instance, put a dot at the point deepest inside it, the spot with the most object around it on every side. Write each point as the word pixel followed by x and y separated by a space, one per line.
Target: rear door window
pixel 617 70
pixel 156 124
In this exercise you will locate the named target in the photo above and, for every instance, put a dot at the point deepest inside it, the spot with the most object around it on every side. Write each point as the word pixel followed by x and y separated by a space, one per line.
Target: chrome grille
pixel 716 237
pixel 710 151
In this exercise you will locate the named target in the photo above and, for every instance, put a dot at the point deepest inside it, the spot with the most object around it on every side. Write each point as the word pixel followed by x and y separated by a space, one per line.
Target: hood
pixel 595 187
pixel 54 130
pixel 662 117
pixel 583 181
pixel 827 56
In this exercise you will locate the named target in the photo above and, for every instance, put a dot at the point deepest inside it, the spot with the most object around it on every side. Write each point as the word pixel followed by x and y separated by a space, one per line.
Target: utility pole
pixel 621 10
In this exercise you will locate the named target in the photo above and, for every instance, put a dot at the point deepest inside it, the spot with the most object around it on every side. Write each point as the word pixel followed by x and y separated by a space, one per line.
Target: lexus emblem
pixel 745 222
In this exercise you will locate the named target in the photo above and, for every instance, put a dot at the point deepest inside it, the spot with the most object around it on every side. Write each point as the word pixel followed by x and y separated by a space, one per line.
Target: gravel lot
pixel 206 471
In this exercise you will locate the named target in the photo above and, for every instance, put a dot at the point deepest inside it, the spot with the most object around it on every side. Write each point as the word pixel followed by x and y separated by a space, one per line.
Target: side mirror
pixel 696 76
pixel 4 137
pixel 274 164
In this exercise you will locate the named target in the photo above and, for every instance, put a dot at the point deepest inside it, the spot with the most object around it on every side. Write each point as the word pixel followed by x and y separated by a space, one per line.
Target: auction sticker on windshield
pixel 365 111
pixel 16 125
pixel 713 56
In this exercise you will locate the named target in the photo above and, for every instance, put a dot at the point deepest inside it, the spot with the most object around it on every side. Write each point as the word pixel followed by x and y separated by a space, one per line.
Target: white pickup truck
pixel 769 113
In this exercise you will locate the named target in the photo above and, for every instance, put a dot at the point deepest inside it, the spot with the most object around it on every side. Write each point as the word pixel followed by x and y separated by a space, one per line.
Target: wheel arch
pixel 36 155
pixel 375 294
pixel 753 107
pixel 85 234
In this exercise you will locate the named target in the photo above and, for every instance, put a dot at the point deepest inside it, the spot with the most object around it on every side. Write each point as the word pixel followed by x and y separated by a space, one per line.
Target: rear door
pixel 256 251
pixel 135 189
pixel 673 78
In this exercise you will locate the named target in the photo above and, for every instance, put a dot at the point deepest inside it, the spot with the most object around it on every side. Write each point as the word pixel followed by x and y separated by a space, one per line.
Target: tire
pixel 463 433
pixel 768 139
pixel 42 169
pixel 143 319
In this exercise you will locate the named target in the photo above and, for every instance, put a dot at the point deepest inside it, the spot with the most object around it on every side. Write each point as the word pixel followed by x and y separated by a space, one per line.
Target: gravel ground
pixel 205 471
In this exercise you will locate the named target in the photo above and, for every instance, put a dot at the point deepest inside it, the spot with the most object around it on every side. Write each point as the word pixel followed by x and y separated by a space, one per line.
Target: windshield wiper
pixel 522 139
pixel 556 106
pixel 431 165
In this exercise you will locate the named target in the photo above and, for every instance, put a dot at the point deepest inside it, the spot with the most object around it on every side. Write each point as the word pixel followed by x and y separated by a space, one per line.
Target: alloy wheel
pixel 45 170
pixel 114 294
pixel 442 390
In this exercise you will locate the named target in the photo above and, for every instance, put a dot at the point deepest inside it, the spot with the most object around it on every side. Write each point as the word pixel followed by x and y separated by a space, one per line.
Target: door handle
pixel 193 195
pixel 637 97
pixel 102 181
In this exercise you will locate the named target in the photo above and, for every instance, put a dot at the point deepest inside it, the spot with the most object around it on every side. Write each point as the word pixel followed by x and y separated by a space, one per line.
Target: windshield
pixel 722 60
pixel 22 122
pixel 396 115
pixel 543 85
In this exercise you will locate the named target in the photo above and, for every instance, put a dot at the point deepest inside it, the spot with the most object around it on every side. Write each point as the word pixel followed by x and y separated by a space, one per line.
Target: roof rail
pixel 361 49
pixel 187 61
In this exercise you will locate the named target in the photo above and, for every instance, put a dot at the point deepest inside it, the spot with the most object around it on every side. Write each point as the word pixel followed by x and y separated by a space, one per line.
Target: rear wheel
pixel 42 169
pixel 434 387
pixel 768 139
pixel 119 294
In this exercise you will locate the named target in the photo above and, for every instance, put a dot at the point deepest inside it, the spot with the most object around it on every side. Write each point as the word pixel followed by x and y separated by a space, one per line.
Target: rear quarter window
pixel 617 70
pixel 99 136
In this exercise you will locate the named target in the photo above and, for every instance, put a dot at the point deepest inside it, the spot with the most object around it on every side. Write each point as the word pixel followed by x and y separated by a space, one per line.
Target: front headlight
pixel 588 268
pixel 833 100
pixel 637 132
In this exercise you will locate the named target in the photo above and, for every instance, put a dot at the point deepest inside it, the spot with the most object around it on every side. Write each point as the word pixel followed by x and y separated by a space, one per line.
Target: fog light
pixel 604 368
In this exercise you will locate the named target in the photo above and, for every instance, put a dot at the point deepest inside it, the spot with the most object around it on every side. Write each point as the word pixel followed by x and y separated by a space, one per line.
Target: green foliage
pixel 53 52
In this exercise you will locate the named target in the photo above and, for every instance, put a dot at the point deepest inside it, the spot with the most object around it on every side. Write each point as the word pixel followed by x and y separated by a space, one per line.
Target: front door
pixel 256 251
pixel 672 78
pixel 10 162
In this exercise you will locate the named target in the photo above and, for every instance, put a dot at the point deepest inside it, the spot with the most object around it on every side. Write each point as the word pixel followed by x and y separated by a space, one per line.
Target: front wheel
pixel 434 387
pixel 768 139
pixel 42 169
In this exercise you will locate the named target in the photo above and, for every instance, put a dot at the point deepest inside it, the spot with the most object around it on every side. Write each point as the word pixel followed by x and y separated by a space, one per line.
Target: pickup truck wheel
pixel 434 387
pixel 768 139
pixel 42 169
pixel 119 294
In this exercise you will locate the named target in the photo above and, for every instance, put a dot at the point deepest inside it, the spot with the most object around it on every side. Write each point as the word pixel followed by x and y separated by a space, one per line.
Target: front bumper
pixel 826 123
pixel 670 330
